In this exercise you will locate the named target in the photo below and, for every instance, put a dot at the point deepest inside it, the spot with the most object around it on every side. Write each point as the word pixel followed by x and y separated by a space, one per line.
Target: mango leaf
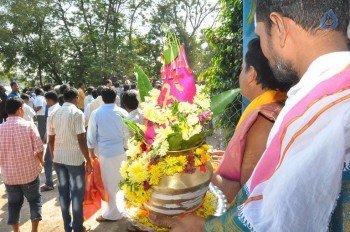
pixel 143 82
pixel 222 100
pixel 194 141
pixel 175 140
pixel 133 126
pixel 170 54
pixel 252 12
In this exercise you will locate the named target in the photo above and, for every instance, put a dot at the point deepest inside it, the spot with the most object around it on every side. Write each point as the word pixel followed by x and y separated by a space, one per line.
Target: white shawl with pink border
pixel 296 183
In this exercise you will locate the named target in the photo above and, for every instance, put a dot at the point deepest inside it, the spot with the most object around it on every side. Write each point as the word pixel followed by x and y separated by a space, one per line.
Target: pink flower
pixel 204 116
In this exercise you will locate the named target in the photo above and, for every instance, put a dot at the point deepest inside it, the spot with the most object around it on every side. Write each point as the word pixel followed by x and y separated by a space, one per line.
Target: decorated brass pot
pixel 181 192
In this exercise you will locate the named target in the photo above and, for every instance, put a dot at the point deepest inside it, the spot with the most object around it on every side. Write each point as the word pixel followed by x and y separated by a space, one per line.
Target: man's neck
pixel 316 46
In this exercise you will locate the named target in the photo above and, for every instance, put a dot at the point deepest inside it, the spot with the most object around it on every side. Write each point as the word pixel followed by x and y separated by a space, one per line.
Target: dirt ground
pixel 51 212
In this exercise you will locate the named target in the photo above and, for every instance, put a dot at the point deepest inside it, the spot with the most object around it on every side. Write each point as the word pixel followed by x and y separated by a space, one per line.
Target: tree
pixel 226 41
pixel 76 40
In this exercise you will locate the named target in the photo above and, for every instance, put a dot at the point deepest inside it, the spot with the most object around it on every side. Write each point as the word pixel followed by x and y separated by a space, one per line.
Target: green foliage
pixel 226 42
pixel 222 100
pixel 50 41
pixel 143 83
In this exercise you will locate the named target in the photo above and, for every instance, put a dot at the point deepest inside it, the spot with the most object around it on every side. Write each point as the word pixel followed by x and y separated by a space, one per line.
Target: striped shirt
pixel 19 144
pixel 66 124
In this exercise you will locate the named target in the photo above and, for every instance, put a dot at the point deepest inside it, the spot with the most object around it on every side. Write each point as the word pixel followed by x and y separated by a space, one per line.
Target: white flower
pixel 187 108
pixel 192 119
pixel 196 130
pixel 203 103
pixel 164 148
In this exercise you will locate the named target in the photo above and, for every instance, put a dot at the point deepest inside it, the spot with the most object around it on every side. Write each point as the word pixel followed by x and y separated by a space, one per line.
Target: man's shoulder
pixel 121 111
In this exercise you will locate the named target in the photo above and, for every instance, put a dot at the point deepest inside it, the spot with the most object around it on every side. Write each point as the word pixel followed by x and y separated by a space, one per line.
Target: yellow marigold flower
pixel 200 151
pixel 205 147
pixel 171 170
pixel 156 173
pixel 124 169
pixel 138 172
pixel 182 160
pixel 171 161
pixel 142 195
pixel 197 162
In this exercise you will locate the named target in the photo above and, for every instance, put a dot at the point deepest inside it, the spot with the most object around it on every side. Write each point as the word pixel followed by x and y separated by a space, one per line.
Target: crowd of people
pixel 286 168
pixel 78 125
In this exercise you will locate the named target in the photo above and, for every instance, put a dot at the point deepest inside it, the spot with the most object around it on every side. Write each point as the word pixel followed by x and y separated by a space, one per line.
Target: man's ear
pixel 281 27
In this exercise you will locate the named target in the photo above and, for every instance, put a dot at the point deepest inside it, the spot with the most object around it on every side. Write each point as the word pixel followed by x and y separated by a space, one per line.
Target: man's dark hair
pixel 129 100
pixel 307 14
pixel 108 95
pixel 2 89
pixel 89 90
pixel 51 95
pixel 117 84
pixel 13 104
pixel 24 96
pixel 99 89
pixel 255 58
pixel 80 84
pixel 13 83
pixel 133 86
pixel 94 93
pixel 70 93
pixel 63 88
pixel 126 87
pixel 38 91
pixel 47 87
pixel 108 81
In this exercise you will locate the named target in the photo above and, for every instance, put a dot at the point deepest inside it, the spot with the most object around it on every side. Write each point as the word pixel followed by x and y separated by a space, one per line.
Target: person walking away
pixel 88 97
pixel 95 104
pixel 39 107
pixel 51 98
pixel 29 113
pixel 21 157
pixel 70 154
pixel 107 138
pixel 81 98
pixel 130 102
pixel 3 98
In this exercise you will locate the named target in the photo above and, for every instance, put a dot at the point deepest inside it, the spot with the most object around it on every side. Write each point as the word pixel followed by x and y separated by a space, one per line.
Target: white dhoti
pixel 110 171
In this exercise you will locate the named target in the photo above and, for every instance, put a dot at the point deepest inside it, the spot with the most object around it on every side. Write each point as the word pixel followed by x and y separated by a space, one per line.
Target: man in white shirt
pixel 130 102
pixel 95 104
pixel 70 154
pixel 39 107
pixel 29 113
pixel 88 97
pixel 51 98
pixel 107 138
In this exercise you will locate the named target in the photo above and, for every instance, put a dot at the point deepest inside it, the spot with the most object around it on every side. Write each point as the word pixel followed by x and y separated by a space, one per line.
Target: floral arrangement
pixel 182 126
pixel 176 117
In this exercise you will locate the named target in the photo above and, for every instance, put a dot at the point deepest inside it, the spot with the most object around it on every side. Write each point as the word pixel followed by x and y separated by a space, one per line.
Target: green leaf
pixel 194 141
pixel 143 83
pixel 252 12
pixel 170 54
pixel 134 127
pixel 175 140
pixel 220 101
